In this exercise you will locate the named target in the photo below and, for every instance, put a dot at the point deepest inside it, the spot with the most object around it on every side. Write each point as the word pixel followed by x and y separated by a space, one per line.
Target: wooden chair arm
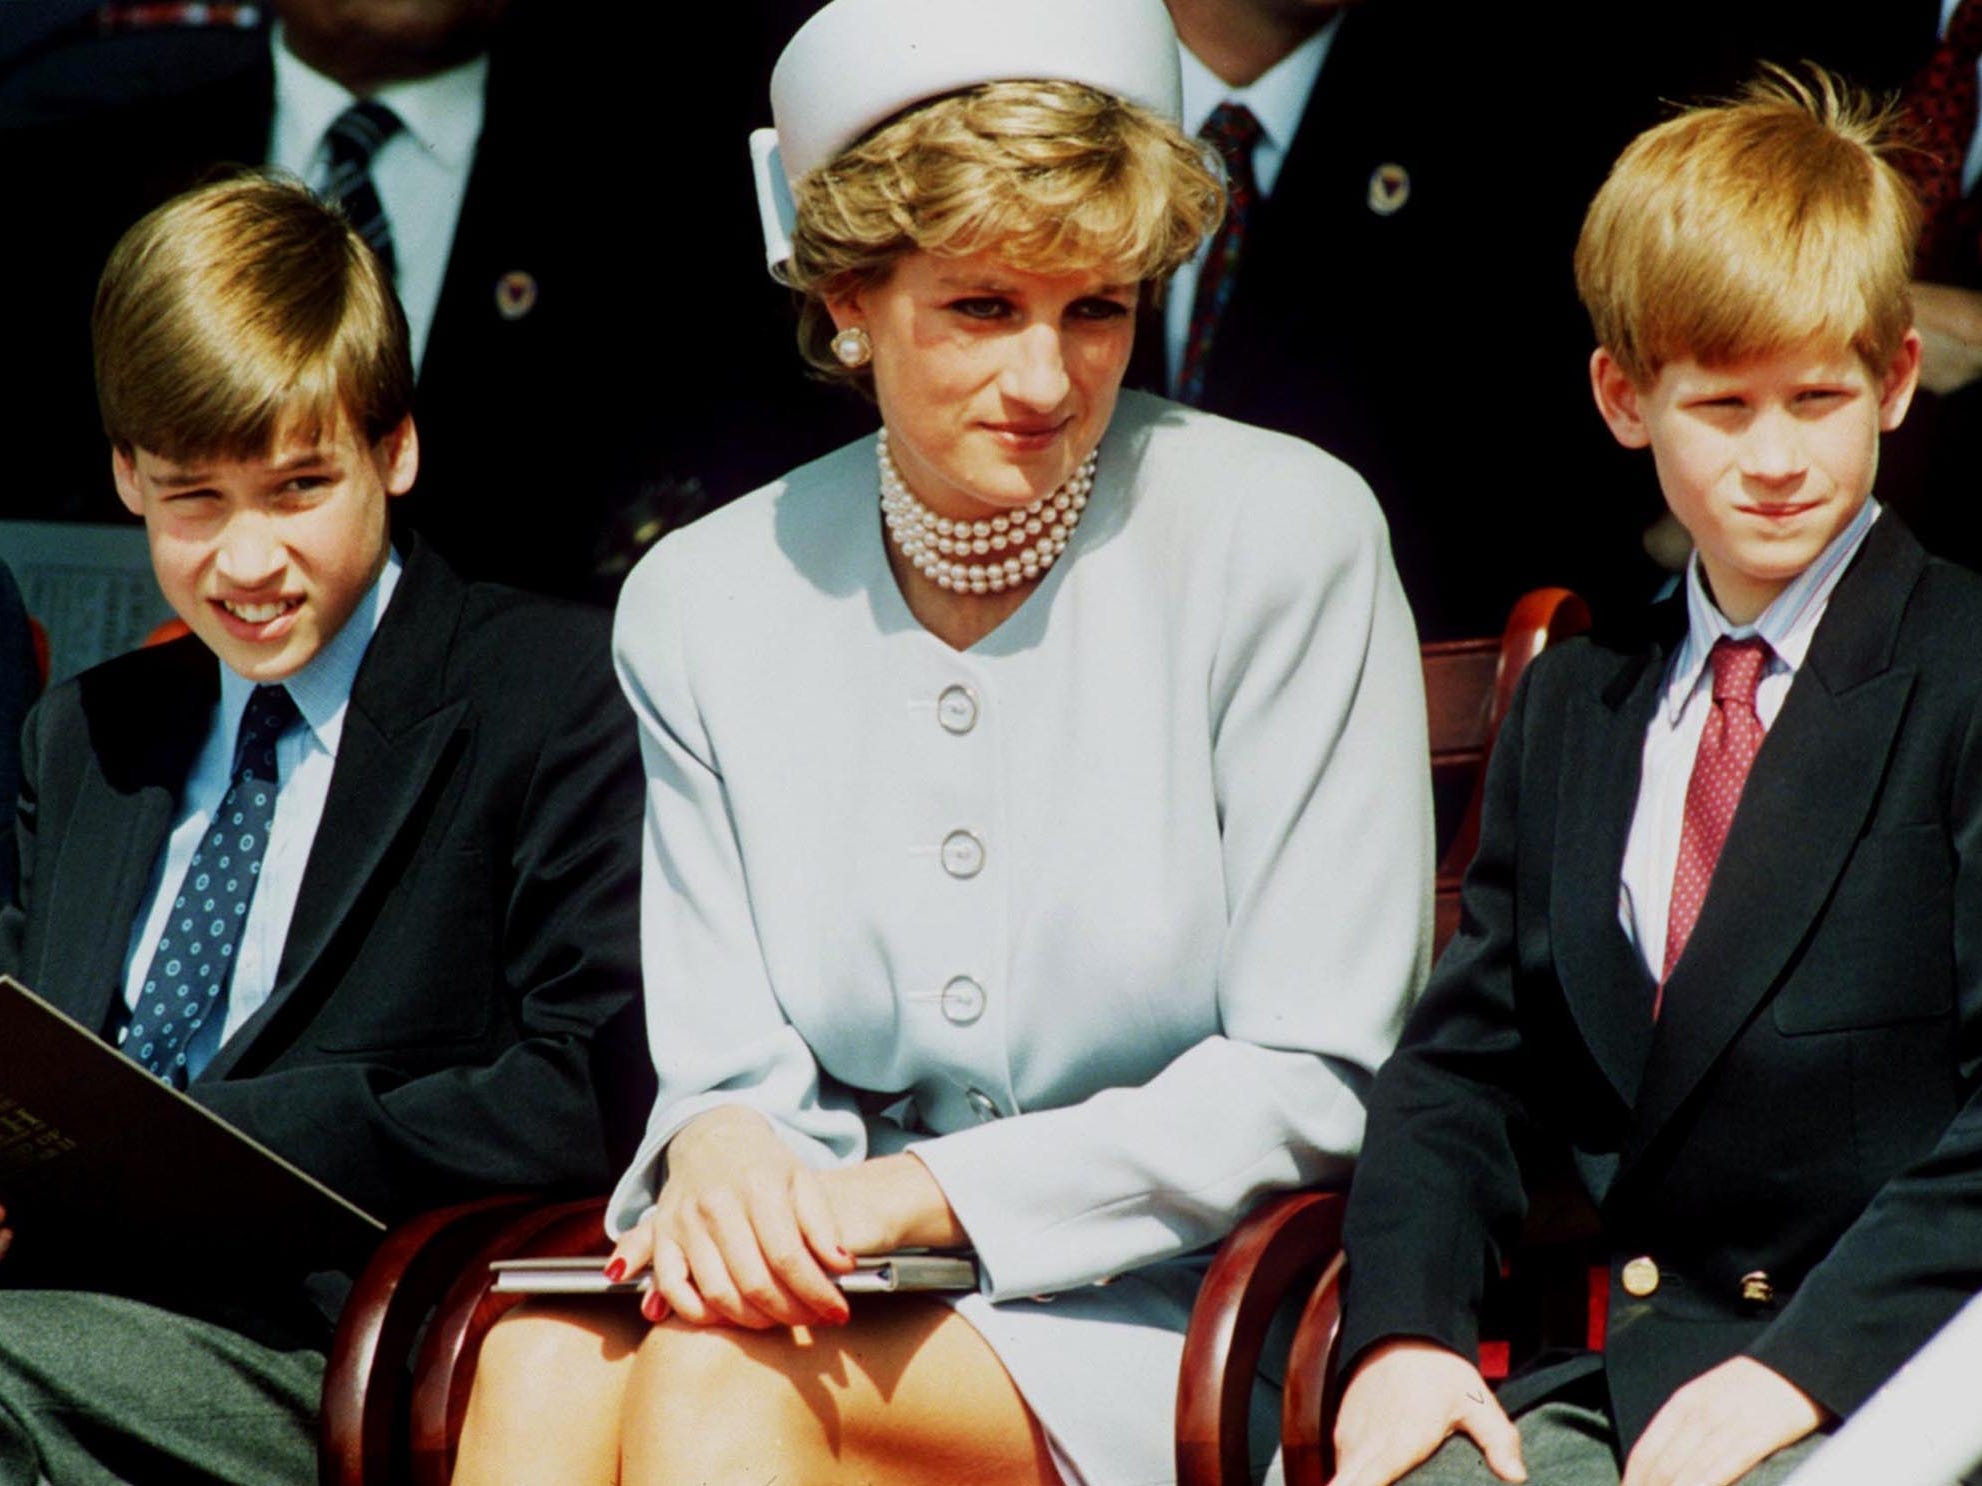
pixel 1277 1245
pixel 445 1369
pixel 1307 1408
pixel 364 1385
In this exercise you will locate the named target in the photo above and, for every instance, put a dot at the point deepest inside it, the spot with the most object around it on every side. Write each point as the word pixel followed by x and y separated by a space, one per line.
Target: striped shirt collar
pixel 1788 624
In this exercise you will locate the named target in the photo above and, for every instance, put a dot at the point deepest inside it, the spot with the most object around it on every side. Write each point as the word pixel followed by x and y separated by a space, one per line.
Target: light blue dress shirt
pixel 305 756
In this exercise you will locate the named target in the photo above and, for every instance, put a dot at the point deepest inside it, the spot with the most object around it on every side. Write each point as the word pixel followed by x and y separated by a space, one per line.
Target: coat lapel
pixel 1804 806
pixel 146 736
pixel 1602 976
pixel 396 738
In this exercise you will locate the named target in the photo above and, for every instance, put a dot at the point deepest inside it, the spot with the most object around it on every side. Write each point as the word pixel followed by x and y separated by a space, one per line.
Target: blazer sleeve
pixel 715 1026
pixel 20 849
pixel 20 683
pixel 535 1113
pixel 1914 1256
pixel 1319 749
pixel 1438 1194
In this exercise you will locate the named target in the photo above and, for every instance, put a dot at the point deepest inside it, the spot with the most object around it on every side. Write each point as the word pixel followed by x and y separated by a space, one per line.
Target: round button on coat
pixel 956 709
pixel 963 854
pixel 963 1000
pixel 1640 1277
pixel 981 1104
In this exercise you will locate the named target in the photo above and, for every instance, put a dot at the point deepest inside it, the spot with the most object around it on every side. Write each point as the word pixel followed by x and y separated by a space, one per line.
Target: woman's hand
pixel 889 1203
pixel 742 1232
pixel 6 1234
pixel 745 1233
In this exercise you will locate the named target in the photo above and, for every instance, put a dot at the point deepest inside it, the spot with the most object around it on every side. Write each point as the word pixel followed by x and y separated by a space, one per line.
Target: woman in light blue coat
pixel 1038 843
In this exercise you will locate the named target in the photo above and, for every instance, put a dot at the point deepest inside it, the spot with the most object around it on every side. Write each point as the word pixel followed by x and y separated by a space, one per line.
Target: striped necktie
pixel 354 137
pixel 1233 132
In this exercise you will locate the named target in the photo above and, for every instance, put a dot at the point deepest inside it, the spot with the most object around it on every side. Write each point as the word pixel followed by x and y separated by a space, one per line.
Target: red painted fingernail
pixel 654 1306
pixel 616 1271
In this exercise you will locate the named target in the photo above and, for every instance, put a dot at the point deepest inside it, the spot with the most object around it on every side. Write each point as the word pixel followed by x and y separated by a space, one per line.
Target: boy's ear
pixel 124 473
pixel 1617 400
pixel 1901 381
pixel 398 455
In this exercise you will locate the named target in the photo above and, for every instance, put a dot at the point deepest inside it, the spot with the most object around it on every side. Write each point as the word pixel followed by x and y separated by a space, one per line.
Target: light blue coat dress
pixel 1108 917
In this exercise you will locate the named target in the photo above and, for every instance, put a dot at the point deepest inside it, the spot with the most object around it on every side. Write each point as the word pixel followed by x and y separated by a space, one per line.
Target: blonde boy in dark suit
pixel 1722 945
pixel 340 863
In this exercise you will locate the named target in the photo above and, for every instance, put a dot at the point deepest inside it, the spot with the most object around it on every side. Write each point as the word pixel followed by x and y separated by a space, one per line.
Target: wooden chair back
pixel 1469 685
pixel 1293 1240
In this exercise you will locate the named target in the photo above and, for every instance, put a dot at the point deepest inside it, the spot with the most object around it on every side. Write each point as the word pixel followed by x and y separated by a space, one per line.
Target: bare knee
pixel 906 1392
pixel 541 1348
pixel 707 1403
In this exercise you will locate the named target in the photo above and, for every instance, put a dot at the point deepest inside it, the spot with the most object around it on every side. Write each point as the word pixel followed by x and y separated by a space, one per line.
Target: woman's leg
pixel 548 1393
pixel 907 1391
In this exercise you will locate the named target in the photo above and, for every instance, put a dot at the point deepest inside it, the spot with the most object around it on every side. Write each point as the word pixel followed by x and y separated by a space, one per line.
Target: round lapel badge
pixel 1390 188
pixel 515 294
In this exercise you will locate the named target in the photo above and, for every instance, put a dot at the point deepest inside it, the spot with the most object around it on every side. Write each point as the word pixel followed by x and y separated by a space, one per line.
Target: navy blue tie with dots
pixel 187 985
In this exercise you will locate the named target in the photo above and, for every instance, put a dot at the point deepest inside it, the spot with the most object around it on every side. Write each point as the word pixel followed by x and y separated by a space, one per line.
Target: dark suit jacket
pixel 20 683
pixel 1806 1103
pixel 656 354
pixel 458 990
pixel 1438 348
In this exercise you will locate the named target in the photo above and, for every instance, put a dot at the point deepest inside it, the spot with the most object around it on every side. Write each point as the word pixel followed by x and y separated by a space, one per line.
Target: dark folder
pixel 98 1157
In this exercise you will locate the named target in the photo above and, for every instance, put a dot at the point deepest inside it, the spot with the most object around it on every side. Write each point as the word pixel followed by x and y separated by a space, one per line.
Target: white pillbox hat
pixel 859 62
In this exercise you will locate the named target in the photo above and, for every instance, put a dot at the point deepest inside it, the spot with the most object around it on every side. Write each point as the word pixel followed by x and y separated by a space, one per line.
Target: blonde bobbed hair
pixel 1051 177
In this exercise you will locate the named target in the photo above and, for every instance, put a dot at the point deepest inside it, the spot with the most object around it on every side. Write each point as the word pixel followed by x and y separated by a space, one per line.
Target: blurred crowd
pixel 566 196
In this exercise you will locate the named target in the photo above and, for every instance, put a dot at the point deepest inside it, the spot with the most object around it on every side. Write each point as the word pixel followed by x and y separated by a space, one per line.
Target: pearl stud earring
pixel 852 348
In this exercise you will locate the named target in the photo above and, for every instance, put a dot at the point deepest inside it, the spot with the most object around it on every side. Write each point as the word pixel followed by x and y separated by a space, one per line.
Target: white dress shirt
pixel 1651 854
pixel 304 757
pixel 421 173
pixel 1278 98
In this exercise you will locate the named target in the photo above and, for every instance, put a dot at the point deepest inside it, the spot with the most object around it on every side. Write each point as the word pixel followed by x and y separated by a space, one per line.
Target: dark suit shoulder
pixel 130 697
pixel 1599 665
pixel 1936 636
pixel 1948 597
pixel 521 661
pixel 497 612
pixel 554 647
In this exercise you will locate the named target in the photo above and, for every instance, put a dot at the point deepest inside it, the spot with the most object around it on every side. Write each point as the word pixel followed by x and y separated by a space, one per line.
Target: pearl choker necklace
pixel 943 550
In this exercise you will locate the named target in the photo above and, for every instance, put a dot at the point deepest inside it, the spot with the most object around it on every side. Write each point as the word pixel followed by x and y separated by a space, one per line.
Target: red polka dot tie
pixel 1728 745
